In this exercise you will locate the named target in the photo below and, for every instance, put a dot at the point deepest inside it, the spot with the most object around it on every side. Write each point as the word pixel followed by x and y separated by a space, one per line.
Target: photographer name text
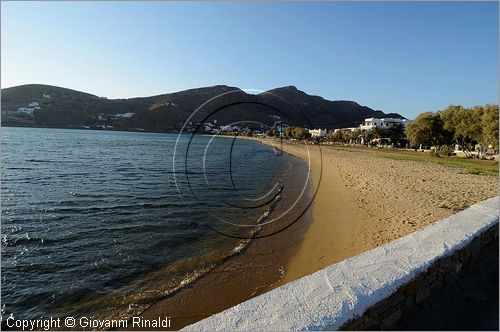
pixel 85 323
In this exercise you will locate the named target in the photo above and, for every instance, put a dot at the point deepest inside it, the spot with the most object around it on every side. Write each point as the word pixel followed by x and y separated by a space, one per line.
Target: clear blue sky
pixel 397 57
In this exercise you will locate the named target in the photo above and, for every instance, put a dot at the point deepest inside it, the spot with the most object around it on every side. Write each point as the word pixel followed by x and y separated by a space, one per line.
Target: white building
pixel 25 110
pixel 207 126
pixel 230 128
pixel 124 115
pixel 345 129
pixel 317 132
pixel 384 123
pixel 29 109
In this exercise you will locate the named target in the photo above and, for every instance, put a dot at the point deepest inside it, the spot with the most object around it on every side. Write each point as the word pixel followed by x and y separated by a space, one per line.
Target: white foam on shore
pixel 327 299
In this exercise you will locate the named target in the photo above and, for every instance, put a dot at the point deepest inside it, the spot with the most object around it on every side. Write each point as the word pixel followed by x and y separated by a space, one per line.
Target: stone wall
pixel 386 312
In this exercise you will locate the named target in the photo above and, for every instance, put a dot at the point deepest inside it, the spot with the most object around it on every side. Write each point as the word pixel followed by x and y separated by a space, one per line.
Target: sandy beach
pixel 362 201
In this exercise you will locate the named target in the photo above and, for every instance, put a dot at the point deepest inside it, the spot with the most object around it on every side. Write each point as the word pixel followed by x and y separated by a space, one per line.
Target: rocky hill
pixel 38 105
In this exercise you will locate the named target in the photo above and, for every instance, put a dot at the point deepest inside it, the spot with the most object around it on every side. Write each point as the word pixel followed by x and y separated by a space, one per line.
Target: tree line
pixel 355 136
pixel 443 129
pixel 290 133
pixel 395 134
pixel 456 124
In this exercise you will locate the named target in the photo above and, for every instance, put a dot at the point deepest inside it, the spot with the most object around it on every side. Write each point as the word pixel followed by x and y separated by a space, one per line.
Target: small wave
pixel 19 168
pixel 16 241
pixel 263 216
pixel 39 161
pixel 136 302
pixel 141 301
pixel 92 209
pixel 240 246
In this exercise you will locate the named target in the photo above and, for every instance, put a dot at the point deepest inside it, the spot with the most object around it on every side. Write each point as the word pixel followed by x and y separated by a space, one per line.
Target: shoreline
pixel 361 203
pixel 256 269
pixel 315 251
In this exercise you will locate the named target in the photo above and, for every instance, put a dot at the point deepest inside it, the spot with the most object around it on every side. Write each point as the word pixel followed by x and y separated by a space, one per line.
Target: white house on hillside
pixel 124 115
pixel 229 128
pixel 28 110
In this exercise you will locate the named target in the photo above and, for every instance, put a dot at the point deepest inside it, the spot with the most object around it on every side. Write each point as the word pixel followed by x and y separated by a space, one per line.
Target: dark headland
pixel 37 105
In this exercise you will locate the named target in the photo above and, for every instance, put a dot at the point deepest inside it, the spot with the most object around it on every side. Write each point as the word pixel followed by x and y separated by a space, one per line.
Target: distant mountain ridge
pixel 40 105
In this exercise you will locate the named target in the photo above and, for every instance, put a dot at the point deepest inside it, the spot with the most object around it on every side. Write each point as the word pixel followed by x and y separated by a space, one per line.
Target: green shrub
pixel 446 151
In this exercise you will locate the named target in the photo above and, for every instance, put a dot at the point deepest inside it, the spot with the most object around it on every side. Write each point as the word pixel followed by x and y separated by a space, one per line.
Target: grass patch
pixel 470 166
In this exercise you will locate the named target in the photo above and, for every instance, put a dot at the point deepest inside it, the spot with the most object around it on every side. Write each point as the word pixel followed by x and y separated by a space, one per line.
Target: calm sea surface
pixel 104 223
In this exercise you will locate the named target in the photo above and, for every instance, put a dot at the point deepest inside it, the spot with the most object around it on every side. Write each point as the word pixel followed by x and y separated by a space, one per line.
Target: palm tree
pixel 396 133
pixel 378 132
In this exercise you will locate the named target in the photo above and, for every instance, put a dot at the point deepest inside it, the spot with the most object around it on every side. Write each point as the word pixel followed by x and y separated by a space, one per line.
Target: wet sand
pixel 362 201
